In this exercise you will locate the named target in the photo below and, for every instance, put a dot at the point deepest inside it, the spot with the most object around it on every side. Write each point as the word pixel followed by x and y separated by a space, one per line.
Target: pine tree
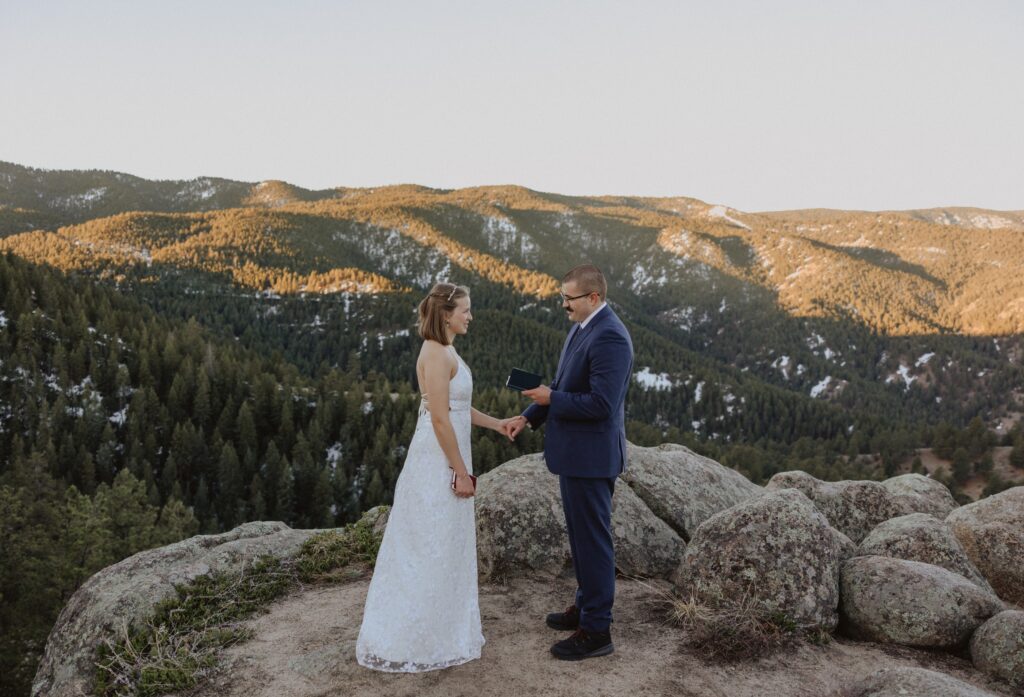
pixel 231 495
pixel 285 510
pixel 1017 454
pixel 88 540
pixel 175 522
pixel 202 507
pixel 322 509
pixel 257 503
pixel 961 466
pixel 132 519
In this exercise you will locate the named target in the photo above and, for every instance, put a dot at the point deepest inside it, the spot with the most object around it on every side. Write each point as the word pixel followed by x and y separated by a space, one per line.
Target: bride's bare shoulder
pixel 434 352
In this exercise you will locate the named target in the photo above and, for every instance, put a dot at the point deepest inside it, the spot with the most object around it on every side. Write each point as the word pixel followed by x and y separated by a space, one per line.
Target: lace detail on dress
pixel 410 667
pixel 422 611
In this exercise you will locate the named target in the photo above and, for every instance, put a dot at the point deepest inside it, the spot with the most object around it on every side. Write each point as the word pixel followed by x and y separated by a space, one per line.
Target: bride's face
pixel 461 316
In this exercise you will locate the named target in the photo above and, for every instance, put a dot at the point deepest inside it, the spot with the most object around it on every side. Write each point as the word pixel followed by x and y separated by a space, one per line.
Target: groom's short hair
pixel 588 279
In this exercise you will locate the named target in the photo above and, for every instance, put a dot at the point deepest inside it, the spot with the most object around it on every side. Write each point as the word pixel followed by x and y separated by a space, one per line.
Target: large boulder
pixel 683 488
pixel 906 681
pixel 852 507
pixel 925 538
pixel 521 525
pixel 992 533
pixel 912 603
pixel 997 648
pixel 129 589
pixel 778 548
pixel 922 494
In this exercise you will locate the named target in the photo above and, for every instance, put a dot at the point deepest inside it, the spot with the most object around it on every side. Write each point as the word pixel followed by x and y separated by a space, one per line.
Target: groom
pixel 585 445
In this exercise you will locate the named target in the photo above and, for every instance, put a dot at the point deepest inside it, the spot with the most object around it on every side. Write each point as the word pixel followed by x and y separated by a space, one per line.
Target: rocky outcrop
pixel 911 603
pixel 913 682
pixel 683 488
pixel 922 494
pixel 997 648
pixel 778 548
pixel 925 538
pixel 852 507
pixel 128 590
pixel 521 525
pixel 992 533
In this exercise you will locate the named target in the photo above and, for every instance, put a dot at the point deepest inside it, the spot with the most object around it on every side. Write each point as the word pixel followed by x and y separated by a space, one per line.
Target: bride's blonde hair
pixel 435 309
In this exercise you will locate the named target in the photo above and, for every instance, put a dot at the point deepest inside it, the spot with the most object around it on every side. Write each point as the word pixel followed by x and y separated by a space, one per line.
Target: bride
pixel 422 611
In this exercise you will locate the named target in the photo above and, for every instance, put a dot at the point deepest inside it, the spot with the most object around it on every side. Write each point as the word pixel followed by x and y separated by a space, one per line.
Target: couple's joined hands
pixel 514 425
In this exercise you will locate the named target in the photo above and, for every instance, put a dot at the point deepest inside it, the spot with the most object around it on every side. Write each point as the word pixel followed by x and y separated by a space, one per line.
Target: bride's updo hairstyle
pixel 435 308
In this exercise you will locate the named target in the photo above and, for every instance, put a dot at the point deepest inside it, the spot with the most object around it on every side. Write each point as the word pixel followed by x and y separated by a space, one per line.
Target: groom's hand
pixel 540 395
pixel 513 426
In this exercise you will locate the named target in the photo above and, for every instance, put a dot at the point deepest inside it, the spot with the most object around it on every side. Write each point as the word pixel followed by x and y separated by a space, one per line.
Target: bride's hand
pixel 463 486
pixel 513 426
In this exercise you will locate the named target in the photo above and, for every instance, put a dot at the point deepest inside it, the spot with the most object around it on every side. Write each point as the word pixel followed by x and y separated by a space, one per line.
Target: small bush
pixel 736 629
pixel 327 552
pixel 179 641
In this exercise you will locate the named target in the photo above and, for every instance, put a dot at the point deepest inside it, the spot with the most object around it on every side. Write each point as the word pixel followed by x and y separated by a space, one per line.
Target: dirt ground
pixel 305 646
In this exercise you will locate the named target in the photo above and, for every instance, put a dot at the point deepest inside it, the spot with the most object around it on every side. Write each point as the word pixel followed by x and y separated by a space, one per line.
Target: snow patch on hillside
pixel 990 222
pixel 902 373
pixel 397 255
pixel 649 380
pixel 504 238
pixel 818 389
pixel 83 200
pixel 782 365
pixel 334 454
pixel 201 189
pixel 118 418
pixel 642 278
pixel 723 212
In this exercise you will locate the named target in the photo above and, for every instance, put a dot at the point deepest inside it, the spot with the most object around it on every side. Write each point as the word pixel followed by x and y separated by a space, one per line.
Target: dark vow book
pixel 522 380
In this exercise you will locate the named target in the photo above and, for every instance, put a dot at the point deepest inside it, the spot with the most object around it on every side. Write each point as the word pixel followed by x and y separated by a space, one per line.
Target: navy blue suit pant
pixel 587 502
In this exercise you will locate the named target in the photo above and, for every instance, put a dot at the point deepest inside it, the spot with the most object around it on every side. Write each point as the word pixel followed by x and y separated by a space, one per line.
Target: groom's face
pixel 579 309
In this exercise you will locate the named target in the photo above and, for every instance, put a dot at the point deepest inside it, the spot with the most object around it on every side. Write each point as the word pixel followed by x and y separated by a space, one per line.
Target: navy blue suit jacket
pixel 586 420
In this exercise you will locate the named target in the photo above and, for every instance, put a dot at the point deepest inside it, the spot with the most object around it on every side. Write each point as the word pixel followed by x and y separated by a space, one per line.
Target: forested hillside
pixel 186 356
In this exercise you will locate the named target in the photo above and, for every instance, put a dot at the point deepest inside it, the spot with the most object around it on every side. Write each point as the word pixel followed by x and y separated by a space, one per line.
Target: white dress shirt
pixel 583 324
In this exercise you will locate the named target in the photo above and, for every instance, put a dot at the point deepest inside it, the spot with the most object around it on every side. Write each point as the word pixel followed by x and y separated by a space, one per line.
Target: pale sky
pixel 755 105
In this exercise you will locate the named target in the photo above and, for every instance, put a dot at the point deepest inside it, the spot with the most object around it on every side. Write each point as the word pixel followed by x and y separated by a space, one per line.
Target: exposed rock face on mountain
pixel 925 538
pixel 128 590
pixel 992 533
pixel 912 603
pixel 777 548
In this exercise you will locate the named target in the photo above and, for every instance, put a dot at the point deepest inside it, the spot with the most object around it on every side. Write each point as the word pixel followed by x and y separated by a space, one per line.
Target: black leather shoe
pixel 565 621
pixel 583 644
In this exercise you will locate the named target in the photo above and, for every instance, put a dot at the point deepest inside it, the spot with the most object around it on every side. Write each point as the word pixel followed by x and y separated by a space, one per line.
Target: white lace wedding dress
pixel 422 611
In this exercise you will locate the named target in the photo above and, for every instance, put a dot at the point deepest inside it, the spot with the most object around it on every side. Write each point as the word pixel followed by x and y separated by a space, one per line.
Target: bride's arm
pixel 486 420
pixel 437 366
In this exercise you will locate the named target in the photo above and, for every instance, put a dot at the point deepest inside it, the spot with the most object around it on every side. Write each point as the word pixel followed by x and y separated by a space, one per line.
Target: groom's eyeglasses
pixel 567 298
